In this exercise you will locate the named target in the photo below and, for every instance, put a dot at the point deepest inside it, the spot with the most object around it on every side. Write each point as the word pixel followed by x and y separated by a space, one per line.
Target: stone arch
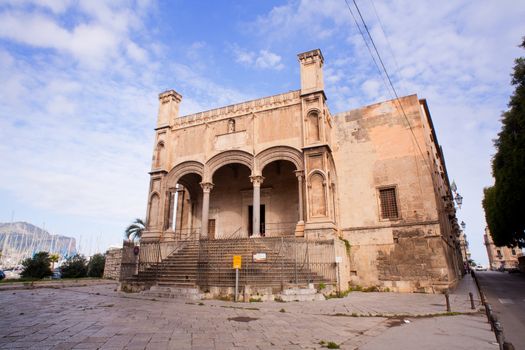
pixel 317 194
pixel 224 158
pixel 153 213
pixel 159 154
pixel 182 169
pixel 271 154
pixel 313 123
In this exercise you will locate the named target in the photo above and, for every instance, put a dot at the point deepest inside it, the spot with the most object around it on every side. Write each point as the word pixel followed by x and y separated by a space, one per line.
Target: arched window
pixel 159 154
pixel 317 195
pixel 313 127
pixel 153 211
pixel 231 126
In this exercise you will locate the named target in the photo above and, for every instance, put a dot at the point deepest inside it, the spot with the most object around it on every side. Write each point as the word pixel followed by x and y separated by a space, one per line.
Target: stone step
pixel 174 291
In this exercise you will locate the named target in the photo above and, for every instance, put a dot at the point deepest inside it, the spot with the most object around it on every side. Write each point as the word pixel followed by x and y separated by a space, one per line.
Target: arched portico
pixel 225 158
pixel 272 154
pixel 184 198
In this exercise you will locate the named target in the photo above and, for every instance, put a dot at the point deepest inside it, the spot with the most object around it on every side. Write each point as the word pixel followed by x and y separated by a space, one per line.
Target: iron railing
pixel 270 262
pixel 274 262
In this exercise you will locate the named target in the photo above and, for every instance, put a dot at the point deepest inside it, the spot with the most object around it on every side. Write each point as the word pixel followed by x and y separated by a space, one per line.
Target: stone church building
pixel 372 179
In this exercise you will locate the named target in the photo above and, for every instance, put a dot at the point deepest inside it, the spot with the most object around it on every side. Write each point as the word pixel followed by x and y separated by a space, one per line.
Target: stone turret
pixel 311 71
pixel 169 102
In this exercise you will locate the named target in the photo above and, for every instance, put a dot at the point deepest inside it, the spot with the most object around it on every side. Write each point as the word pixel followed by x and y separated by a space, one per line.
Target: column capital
pixel 206 186
pixel 257 180
pixel 299 174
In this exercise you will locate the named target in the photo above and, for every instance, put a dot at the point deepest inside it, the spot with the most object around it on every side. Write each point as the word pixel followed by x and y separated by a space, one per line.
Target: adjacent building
pixel 372 179
pixel 501 258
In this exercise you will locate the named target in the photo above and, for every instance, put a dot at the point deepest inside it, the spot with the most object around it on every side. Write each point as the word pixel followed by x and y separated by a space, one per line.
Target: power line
pixel 390 82
pixel 386 38
pixel 368 47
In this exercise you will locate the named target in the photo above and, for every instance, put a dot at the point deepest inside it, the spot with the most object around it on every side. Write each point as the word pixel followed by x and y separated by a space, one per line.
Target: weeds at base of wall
pixel 255 300
pixel 348 246
pixel 356 288
pixel 329 345
pixel 126 289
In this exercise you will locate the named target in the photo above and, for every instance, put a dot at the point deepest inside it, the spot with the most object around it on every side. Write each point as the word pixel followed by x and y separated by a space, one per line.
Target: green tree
pixel 54 259
pixel 74 267
pixel 504 203
pixel 135 230
pixel 37 266
pixel 96 265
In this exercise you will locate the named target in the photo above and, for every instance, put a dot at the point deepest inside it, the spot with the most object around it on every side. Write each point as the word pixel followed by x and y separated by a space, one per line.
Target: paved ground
pixel 506 293
pixel 97 317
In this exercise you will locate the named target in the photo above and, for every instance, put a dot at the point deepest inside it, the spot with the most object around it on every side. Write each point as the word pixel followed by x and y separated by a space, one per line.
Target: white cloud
pixel 98 40
pixel 83 110
pixel 265 59
pixel 268 60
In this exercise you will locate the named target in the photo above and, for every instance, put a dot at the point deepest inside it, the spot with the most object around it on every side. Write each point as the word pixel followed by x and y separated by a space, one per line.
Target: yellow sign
pixel 237 261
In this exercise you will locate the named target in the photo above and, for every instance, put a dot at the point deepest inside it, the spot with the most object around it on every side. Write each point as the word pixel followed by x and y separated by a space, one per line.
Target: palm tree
pixel 54 259
pixel 134 231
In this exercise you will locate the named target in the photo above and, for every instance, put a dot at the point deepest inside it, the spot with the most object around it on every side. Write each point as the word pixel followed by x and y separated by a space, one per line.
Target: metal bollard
pixel 448 301
pixel 471 300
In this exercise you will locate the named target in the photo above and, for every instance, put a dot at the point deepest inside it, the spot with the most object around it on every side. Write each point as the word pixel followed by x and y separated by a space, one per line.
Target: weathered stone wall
pixel 113 263
pixel 375 147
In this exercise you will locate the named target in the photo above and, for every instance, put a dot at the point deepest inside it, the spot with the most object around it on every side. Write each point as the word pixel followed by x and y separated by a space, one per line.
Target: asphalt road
pixel 506 293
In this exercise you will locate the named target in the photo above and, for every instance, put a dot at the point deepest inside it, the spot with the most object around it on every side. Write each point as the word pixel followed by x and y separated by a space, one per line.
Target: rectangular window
pixel 513 251
pixel 387 198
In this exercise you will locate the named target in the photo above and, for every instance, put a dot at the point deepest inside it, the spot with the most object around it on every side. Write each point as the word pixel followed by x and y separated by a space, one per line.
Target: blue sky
pixel 80 80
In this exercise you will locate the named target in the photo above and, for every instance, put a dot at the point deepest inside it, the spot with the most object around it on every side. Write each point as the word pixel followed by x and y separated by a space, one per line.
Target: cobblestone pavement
pixel 97 317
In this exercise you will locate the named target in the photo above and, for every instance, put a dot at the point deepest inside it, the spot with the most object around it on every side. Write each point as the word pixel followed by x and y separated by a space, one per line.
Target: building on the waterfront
pixel 373 177
pixel 501 258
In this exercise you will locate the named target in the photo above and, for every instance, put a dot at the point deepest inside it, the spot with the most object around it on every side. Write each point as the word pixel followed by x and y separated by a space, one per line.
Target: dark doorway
pixel 262 217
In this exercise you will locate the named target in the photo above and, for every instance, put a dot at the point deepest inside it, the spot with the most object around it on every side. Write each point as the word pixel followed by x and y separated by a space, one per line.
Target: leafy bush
pixel 96 265
pixel 74 267
pixel 37 266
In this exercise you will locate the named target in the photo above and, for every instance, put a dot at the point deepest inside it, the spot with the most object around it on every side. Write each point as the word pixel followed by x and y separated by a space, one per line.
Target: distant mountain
pixel 19 240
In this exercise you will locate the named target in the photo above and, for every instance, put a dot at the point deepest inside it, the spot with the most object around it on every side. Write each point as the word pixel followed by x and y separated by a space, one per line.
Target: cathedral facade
pixel 373 179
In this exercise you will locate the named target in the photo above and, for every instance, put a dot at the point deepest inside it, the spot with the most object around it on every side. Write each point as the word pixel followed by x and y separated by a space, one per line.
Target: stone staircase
pixel 208 263
pixel 279 270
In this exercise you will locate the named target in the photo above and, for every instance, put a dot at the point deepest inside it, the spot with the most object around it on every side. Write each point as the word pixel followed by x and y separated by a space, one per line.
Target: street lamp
pixel 453 187
pixel 463 225
pixel 459 200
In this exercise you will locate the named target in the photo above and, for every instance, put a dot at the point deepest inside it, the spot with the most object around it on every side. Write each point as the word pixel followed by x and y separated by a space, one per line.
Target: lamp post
pixel 459 200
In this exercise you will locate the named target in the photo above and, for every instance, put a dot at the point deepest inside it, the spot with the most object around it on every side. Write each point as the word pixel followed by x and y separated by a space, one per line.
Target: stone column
pixel 299 228
pixel 300 177
pixel 257 180
pixel 206 189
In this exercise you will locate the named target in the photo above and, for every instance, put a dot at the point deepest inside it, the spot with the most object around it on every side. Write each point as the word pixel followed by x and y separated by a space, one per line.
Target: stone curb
pixel 55 285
